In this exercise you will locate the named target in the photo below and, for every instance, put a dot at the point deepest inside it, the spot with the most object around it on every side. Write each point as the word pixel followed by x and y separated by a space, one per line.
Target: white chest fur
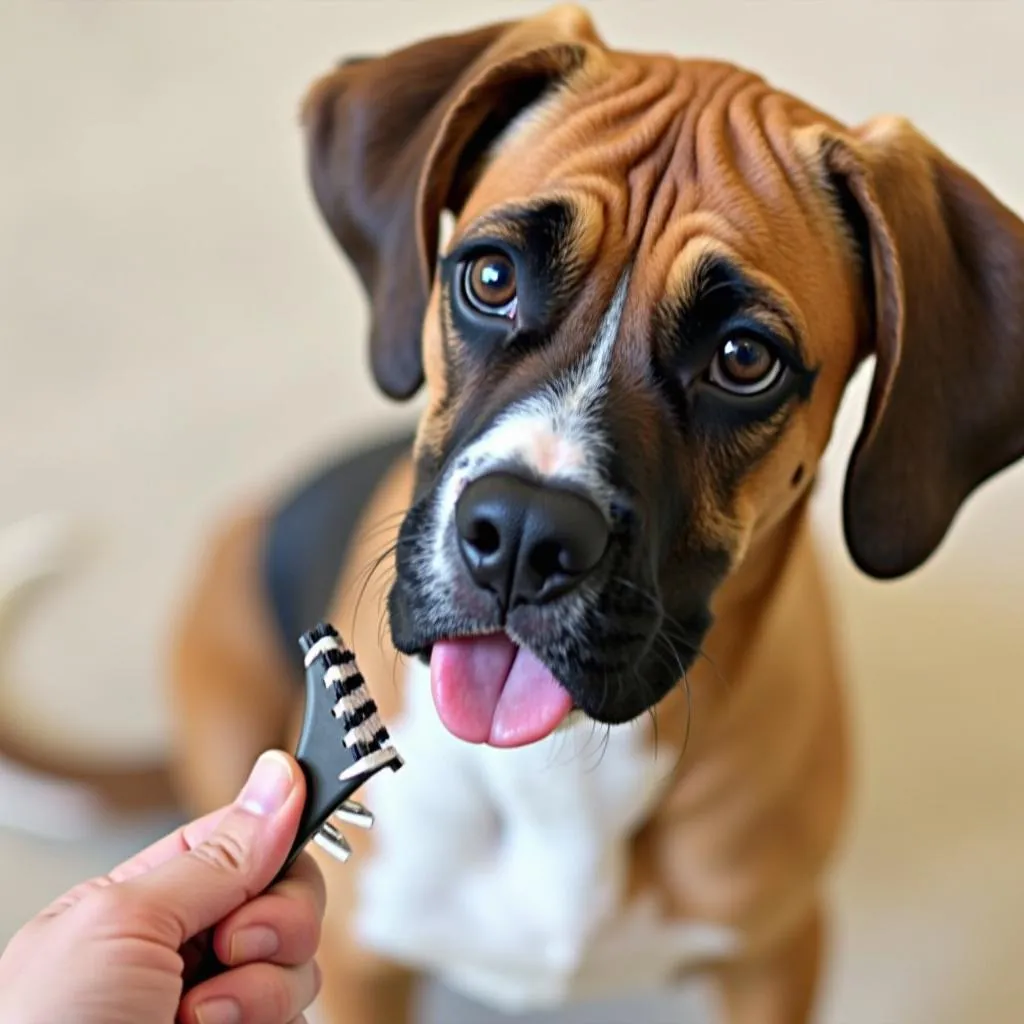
pixel 502 871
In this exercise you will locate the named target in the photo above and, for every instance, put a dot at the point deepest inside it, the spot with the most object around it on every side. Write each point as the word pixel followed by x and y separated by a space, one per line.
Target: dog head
pixel 660 277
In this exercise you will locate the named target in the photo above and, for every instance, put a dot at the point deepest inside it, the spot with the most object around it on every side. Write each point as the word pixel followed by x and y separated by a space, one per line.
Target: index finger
pixel 182 840
pixel 178 842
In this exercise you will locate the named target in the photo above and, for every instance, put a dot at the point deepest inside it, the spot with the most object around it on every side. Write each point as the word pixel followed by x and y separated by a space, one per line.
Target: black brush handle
pixel 324 756
pixel 321 756
pixel 321 751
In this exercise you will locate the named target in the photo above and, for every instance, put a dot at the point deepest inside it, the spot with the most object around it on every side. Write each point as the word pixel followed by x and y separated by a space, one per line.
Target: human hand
pixel 124 948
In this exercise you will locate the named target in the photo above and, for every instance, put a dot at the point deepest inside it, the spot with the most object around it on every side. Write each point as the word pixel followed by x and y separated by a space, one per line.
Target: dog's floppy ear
pixel 393 141
pixel 946 409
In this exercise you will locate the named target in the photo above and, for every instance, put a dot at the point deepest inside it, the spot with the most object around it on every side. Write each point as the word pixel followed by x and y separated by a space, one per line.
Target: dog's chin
pixel 616 699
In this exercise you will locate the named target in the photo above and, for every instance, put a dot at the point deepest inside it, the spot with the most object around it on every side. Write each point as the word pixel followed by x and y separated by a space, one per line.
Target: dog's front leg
pixel 779 985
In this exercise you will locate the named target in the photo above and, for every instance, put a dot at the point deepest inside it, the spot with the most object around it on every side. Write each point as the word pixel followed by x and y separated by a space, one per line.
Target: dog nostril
pixel 549 558
pixel 483 535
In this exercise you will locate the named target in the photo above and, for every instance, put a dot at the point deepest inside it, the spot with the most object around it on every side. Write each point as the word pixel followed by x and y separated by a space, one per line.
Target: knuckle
pixel 306 877
pixel 107 907
pixel 317 890
pixel 303 941
pixel 108 903
pixel 224 852
pixel 306 906
pixel 306 923
pixel 282 998
pixel 84 898
pixel 300 903
pixel 312 937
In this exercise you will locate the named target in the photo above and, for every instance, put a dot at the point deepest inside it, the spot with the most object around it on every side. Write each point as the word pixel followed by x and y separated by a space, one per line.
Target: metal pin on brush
pixel 342 746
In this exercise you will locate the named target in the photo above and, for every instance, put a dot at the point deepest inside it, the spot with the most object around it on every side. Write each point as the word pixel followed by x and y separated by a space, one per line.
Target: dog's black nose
pixel 527 542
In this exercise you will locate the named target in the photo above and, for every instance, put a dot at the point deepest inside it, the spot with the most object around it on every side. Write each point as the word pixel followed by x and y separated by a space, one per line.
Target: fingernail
pixel 269 784
pixel 252 944
pixel 219 1011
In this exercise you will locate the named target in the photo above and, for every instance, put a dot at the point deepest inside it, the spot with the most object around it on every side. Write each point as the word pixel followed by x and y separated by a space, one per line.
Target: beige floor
pixel 169 304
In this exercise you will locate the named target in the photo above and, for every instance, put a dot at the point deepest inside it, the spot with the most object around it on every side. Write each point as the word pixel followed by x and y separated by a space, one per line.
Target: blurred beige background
pixel 174 322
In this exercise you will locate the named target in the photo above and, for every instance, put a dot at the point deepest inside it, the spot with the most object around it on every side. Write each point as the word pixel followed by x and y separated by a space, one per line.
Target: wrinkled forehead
pixel 660 163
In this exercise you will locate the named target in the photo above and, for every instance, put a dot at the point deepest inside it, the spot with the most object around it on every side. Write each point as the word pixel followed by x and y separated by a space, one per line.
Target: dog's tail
pixel 33 554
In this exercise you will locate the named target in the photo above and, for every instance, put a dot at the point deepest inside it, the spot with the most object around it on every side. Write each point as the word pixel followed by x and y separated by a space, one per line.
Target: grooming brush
pixel 342 746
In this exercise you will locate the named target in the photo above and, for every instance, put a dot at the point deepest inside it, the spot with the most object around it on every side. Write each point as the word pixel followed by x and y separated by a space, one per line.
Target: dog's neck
pixel 751 583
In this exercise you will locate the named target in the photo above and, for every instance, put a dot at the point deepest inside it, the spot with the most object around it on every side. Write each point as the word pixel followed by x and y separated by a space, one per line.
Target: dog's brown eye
pixel 745 365
pixel 490 285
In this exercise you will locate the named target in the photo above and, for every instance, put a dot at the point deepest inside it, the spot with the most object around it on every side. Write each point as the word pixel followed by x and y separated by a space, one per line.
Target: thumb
pixel 234 862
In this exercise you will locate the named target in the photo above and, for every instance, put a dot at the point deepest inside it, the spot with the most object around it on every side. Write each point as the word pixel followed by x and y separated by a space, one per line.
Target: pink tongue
pixel 488 690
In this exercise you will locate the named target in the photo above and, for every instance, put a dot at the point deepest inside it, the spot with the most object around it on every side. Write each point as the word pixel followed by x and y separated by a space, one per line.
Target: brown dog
pixel 661 276
pixel 627 757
